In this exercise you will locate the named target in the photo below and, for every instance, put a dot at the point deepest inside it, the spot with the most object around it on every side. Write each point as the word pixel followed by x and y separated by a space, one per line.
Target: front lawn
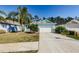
pixel 73 36
pixel 18 37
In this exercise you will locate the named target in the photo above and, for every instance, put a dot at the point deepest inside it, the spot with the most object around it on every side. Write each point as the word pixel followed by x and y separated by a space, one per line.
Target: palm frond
pixel 2 12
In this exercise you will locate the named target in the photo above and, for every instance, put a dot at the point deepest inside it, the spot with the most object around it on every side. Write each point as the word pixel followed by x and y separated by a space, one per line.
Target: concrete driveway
pixel 56 43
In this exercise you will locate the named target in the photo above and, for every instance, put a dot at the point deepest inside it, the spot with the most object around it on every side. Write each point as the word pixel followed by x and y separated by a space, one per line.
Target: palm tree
pixel 59 20
pixel 44 18
pixel 69 19
pixel 51 19
pixel 28 19
pixel 12 16
pixel 2 18
pixel 22 13
pixel 24 18
pixel 36 18
pixel 2 13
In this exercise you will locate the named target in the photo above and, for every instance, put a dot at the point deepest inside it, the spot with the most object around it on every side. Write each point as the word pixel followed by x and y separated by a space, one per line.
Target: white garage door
pixel 44 29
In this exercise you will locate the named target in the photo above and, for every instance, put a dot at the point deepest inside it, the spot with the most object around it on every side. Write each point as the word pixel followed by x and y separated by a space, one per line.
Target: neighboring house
pixel 10 26
pixel 73 26
pixel 45 26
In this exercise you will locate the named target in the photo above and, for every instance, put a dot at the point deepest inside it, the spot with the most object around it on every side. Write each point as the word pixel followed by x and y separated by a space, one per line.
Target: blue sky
pixel 47 10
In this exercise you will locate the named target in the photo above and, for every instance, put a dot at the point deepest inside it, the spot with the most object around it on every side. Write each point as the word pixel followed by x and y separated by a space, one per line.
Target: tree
pixel 29 19
pixel 24 18
pixel 69 19
pixel 44 18
pixel 36 18
pixel 22 14
pixel 2 13
pixel 2 18
pixel 59 20
pixel 60 29
pixel 52 19
pixel 12 16
pixel 33 27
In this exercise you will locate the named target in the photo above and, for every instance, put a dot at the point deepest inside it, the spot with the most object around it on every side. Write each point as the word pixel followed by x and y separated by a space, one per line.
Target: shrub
pixel 65 32
pixel 60 29
pixel 34 27
pixel 71 33
pixel 2 31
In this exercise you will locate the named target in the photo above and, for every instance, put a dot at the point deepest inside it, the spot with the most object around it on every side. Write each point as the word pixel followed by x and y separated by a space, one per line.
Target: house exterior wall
pixel 3 28
pixel 77 33
pixel 7 27
pixel 46 27
pixel 73 26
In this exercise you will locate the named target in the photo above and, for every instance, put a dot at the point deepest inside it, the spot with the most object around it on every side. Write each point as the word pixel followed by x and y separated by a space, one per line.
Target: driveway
pixel 56 43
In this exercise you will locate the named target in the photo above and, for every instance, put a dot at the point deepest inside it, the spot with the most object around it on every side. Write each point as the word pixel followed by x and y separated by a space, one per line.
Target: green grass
pixel 73 36
pixel 18 37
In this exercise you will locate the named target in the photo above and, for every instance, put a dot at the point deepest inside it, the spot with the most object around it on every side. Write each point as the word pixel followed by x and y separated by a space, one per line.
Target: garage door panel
pixel 45 29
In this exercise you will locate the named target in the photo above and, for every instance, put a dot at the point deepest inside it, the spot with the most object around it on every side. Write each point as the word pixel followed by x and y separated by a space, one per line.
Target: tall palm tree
pixel 29 19
pixel 24 18
pixel 2 13
pixel 22 14
pixel 2 18
pixel 13 16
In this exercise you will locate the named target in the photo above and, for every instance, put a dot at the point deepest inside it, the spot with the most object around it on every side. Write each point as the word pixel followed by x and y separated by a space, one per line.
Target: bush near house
pixel 65 32
pixel 60 29
pixel 73 36
pixel 33 27
pixel 2 31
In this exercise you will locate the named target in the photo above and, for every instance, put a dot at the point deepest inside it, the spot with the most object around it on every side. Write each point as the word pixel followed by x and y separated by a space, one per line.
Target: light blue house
pixel 10 26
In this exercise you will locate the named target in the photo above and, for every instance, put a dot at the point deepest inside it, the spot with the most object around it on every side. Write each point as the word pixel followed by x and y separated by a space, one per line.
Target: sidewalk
pixel 22 46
